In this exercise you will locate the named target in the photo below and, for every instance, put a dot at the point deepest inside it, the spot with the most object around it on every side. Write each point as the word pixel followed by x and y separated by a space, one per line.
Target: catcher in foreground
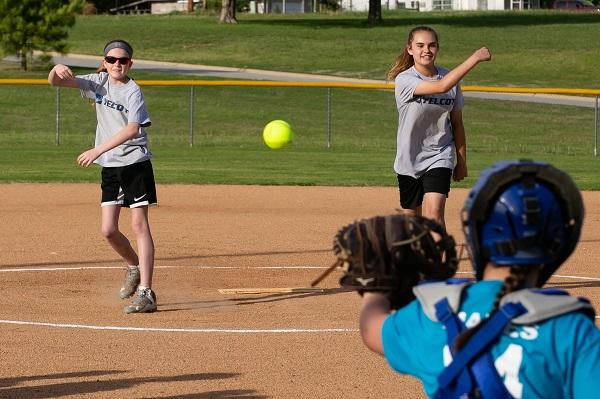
pixel 498 337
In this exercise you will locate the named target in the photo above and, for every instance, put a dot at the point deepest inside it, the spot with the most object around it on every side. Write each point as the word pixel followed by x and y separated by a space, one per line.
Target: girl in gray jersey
pixel 431 146
pixel 121 148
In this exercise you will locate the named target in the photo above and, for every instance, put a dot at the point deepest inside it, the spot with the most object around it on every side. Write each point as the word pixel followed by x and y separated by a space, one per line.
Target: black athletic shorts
pixel 131 186
pixel 435 180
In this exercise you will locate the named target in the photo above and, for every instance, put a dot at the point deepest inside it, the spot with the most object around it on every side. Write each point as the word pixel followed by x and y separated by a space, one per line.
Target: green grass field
pixel 533 49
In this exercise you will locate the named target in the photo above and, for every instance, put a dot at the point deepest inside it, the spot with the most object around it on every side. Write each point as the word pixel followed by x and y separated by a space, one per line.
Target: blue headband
pixel 118 44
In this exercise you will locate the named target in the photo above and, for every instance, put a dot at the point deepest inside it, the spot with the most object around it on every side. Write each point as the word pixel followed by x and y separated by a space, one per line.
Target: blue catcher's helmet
pixel 522 213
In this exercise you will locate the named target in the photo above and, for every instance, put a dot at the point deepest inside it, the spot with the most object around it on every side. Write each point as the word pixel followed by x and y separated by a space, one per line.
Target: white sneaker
pixel 145 302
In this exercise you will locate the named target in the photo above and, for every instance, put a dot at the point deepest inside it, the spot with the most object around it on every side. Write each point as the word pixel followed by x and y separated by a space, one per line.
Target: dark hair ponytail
pixel 515 281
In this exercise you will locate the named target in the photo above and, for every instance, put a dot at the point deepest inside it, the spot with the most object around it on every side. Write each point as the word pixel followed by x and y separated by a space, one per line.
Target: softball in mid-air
pixel 278 134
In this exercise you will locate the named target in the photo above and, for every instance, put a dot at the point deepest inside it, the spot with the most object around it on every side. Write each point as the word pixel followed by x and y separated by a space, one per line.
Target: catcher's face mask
pixel 522 213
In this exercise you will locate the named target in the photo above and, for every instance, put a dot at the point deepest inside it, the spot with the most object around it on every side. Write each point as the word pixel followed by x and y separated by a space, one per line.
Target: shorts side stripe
pixel 138 204
pixel 109 203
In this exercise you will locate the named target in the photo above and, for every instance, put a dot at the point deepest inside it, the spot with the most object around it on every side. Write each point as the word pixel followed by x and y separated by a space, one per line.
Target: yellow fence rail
pixel 328 85
pixel 344 85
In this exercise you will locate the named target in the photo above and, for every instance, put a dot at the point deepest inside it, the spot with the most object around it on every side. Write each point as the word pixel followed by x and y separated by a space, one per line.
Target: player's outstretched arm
pixel 62 76
pixel 375 308
pixel 454 76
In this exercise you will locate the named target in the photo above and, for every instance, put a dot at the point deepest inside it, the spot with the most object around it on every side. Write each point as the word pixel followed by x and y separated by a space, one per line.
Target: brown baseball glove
pixel 391 254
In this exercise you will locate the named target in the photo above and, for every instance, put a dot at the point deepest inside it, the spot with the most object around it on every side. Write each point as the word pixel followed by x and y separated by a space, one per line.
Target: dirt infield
pixel 63 333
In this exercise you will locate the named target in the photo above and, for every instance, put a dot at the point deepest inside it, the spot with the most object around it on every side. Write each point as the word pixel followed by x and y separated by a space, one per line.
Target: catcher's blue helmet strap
pixel 522 213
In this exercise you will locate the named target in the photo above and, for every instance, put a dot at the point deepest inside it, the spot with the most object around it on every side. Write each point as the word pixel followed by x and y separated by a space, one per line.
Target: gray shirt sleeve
pixel 137 110
pixel 406 85
pixel 91 84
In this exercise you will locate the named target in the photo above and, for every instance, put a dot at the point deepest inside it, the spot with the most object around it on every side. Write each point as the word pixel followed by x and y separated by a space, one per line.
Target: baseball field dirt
pixel 234 317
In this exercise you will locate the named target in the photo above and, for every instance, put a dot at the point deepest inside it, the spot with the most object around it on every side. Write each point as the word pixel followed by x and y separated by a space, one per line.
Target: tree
pixel 228 12
pixel 28 25
pixel 374 12
pixel 103 6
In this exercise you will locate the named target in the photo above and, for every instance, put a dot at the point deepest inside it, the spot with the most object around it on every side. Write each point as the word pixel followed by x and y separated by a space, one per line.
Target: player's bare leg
pixel 411 211
pixel 145 300
pixel 116 239
pixel 433 207
pixel 145 244
pixel 120 243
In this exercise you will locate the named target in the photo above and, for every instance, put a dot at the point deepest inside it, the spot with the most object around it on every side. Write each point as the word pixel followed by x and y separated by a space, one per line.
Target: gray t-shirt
pixel 116 106
pixel 425 138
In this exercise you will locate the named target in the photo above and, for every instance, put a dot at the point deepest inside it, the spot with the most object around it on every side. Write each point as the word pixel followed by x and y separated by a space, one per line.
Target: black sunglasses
pixel 122 60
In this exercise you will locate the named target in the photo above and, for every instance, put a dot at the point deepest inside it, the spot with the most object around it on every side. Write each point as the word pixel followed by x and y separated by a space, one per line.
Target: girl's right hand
pixel 63 72
pixel 483 54
pixel 85 159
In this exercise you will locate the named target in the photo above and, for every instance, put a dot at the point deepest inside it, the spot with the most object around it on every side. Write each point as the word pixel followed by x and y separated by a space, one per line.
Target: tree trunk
pixel 23 55
pixel 374 12
pixel 190 6
pixel 228 12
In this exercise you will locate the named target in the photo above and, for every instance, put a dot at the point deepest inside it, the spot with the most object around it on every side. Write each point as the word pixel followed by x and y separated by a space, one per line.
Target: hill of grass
pixel 534 49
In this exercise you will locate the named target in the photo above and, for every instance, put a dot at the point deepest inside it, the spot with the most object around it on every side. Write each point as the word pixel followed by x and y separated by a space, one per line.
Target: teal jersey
pixel 556 358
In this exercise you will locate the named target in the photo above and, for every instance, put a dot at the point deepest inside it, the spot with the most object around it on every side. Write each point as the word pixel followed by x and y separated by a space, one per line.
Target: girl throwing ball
pixel 431 145
pixel 121 149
